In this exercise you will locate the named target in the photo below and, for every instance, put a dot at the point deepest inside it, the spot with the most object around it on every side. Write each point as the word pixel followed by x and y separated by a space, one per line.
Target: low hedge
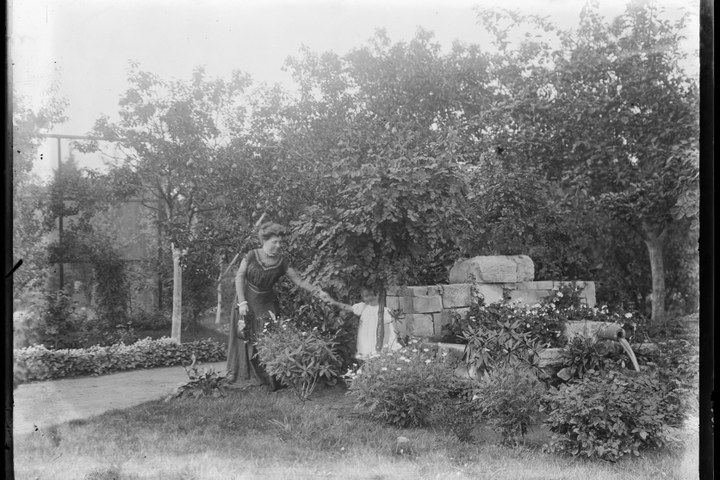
pixel 40 363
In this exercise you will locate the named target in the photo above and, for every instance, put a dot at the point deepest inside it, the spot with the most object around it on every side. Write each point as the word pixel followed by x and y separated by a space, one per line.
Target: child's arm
pixel 343 306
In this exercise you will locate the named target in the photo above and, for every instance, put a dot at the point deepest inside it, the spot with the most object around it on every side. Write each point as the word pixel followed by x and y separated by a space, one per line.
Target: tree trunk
pixel 218 311
pixel 654 242
pixel 381 318
pixel 177 294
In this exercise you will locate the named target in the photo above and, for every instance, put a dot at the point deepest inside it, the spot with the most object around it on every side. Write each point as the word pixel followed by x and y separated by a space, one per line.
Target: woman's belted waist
pixel 255 288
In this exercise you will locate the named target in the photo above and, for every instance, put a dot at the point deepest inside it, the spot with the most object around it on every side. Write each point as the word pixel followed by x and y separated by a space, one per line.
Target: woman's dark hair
pixel 268 230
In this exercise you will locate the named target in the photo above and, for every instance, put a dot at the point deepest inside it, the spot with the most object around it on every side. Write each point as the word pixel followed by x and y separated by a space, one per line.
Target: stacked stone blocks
pixel 426 309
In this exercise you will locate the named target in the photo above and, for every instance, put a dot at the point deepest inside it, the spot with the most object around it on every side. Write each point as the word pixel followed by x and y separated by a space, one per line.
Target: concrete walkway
pixel 40 405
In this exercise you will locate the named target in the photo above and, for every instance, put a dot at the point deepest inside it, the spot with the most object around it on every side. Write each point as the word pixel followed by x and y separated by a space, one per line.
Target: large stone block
pixel 588 294
pixel 423 290
pixel 527 297
pixel 457 295
pixel 392 302
pixel 493 269
pixel 427 304
pixel 422 324
pixel 449 315
pixel 435 289
pixel 539 285
pixel 490 293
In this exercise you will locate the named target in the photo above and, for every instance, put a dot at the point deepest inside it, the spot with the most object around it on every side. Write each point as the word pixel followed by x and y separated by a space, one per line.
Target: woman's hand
pixel 243 308
pixel 324 296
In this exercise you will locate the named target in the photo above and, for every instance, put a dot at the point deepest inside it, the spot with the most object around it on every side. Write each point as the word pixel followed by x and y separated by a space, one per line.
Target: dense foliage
pixel 509 397
pixel 612 414
pixel 296 357
pixel 40 363
pixel 404 387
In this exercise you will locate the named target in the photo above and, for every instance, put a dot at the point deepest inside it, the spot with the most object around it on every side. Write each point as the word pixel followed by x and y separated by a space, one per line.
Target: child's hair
pixel 369 289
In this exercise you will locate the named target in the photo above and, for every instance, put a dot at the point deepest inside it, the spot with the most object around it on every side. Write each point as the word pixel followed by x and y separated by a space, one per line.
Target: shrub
pixel 503 344
pixel 610 415
pixel 510 397
pixel 582 355
pixel 298 358
pixel 40 363
pixel 403 387
pixel 202 383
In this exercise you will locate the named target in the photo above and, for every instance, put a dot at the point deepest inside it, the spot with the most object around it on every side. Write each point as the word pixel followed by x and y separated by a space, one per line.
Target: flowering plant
pixel 297 357
pixel 402 387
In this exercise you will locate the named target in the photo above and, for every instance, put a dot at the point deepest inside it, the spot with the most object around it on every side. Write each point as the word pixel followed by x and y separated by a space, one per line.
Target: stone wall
pixel 426 309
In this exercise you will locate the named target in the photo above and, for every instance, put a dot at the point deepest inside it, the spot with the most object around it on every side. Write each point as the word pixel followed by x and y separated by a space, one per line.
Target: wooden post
pixel 177 295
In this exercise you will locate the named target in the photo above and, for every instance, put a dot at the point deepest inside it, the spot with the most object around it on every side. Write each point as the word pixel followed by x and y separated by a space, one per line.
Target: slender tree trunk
pixel 177 294
pixel 654 242
pixel 381 318
pixel 218 311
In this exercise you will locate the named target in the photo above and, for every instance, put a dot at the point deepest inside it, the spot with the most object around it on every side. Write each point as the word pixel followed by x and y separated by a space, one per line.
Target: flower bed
pixel 39 363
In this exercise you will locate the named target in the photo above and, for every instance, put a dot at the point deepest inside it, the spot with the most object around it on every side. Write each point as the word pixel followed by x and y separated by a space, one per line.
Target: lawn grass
pixel 252 434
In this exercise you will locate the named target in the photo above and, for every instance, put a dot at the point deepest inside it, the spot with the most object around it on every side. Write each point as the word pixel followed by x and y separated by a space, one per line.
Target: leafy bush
pixel 510 397
pixel 676 364
pixel 298 358
pixel 582 355
pixel 40 363
pixel 202 383
pixel 402 387
pixel 500 345
pixel 59 321
pixel 611 415
pixel 309 312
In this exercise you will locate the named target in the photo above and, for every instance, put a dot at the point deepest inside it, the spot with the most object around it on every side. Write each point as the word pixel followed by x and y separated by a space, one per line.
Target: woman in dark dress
pixel 255 293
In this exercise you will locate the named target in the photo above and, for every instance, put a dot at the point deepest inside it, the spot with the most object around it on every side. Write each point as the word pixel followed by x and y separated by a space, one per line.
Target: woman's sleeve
pixel 358 308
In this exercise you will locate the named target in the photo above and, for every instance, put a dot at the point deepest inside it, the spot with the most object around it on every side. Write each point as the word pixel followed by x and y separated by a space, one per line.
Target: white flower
pixel 426 349
pixel 398 369
pixel 428 361
pixel 384 369
pixel 537 305
pixel 628 315
pixel 414 350
pixel 560 294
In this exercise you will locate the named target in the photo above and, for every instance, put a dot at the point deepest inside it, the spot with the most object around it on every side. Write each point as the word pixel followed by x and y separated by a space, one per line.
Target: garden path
pixel 40 405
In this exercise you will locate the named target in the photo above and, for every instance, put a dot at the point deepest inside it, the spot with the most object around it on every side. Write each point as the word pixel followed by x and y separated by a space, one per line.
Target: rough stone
pixel 537 285
pixel 585 328
pixel 549 356
pixel 403 446
pixel 588 294
pixel 527 297
pixel 435 289
pixel 449 314
pixel 427 304
pixel 490 293
pixel 422 324
pixel 457 295
pixel 392 303
pixel 414 291
pixel 525 268
pixel 493 269
pixel 465 372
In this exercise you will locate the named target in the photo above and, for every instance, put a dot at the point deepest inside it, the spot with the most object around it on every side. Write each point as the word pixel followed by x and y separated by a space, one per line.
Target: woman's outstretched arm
pixel 305 285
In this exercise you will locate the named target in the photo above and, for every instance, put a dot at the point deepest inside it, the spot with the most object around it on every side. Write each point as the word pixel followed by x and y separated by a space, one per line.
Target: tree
pixel 29 194
pixel 172 133
pixel 609 114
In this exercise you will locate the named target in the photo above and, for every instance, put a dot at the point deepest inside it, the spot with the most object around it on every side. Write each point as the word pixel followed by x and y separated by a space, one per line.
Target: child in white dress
pixel 367 310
